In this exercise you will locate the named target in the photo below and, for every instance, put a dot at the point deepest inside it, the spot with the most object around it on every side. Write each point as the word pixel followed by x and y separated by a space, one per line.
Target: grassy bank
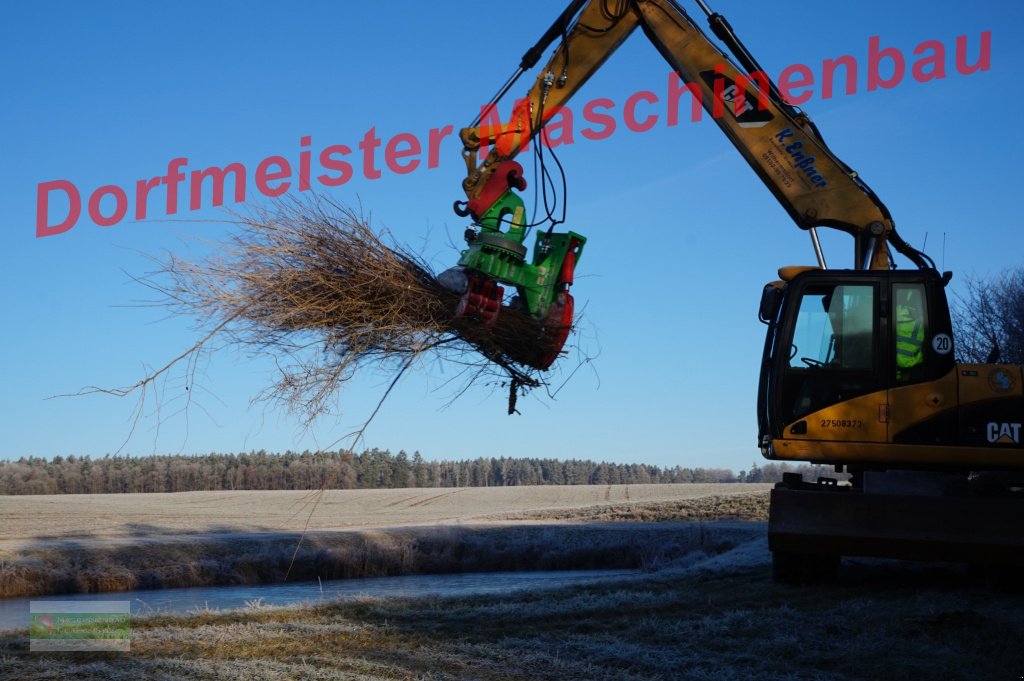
pixel 718 620
pixel 753 506
pixel 157 561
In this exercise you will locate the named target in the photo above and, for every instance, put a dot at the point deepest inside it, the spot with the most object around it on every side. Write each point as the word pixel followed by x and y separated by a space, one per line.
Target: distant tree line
pixel 373 468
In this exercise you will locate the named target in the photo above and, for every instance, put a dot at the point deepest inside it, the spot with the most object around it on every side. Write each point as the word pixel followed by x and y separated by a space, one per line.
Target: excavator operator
pixel 909 334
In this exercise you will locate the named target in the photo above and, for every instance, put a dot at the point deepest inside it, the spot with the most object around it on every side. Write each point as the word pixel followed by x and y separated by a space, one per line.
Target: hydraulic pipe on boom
pixel 533 55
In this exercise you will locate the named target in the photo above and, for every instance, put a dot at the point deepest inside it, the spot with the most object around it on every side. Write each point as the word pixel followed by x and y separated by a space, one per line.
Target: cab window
pixel 832 351
pixel 835 328
pixel 911 328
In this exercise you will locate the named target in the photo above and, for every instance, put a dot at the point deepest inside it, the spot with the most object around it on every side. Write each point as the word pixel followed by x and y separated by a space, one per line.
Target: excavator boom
pixel 779 142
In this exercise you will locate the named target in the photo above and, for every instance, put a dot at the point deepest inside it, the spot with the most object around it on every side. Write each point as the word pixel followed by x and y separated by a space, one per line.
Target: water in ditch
pixel 14 612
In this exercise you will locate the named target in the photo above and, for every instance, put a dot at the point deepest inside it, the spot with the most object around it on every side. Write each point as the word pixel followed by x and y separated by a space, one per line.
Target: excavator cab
pixel 858 369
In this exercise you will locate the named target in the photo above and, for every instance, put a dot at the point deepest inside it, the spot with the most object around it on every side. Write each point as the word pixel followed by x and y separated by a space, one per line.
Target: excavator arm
pixel 779 142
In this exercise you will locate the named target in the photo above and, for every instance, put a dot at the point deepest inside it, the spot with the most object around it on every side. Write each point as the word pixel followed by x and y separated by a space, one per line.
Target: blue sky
pixel 682 234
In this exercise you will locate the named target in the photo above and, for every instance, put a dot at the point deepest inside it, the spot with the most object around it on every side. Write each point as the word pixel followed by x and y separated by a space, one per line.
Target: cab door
pixel 833 379
pixel 923 381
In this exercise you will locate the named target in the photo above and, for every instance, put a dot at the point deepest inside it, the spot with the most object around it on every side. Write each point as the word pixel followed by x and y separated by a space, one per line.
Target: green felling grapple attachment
pixel 497 257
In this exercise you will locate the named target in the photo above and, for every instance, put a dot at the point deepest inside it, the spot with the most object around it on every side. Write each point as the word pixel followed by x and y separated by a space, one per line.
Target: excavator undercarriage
pixel 910 515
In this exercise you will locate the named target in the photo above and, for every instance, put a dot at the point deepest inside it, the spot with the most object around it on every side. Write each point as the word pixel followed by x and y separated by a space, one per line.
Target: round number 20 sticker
pixel 942 343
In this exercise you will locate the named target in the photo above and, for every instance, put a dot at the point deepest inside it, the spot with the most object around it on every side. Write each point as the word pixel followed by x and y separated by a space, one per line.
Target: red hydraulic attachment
pixel 558 323
pixel 482 299
pixel 508 174
pixel 557 327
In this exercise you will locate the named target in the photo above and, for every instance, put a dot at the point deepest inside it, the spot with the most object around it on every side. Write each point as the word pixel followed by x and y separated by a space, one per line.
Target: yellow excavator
pixel 858 369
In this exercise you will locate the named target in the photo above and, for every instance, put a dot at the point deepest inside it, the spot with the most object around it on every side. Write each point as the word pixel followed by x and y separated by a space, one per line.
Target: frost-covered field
pixel 706 619
pixel 704 609
pixel 110 543
pixel 131 515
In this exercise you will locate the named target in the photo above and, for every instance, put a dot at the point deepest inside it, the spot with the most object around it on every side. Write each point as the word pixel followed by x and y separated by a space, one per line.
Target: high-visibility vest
pixel 909 339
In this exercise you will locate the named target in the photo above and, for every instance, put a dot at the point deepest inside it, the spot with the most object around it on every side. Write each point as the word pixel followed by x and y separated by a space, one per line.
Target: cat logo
pixel 1004 433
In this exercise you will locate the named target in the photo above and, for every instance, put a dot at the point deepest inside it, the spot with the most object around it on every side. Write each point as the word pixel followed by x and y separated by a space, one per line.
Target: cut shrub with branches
pixel 310 284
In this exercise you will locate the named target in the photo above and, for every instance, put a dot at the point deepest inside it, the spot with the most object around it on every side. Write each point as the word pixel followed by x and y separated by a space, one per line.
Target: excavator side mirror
pixel 771 297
